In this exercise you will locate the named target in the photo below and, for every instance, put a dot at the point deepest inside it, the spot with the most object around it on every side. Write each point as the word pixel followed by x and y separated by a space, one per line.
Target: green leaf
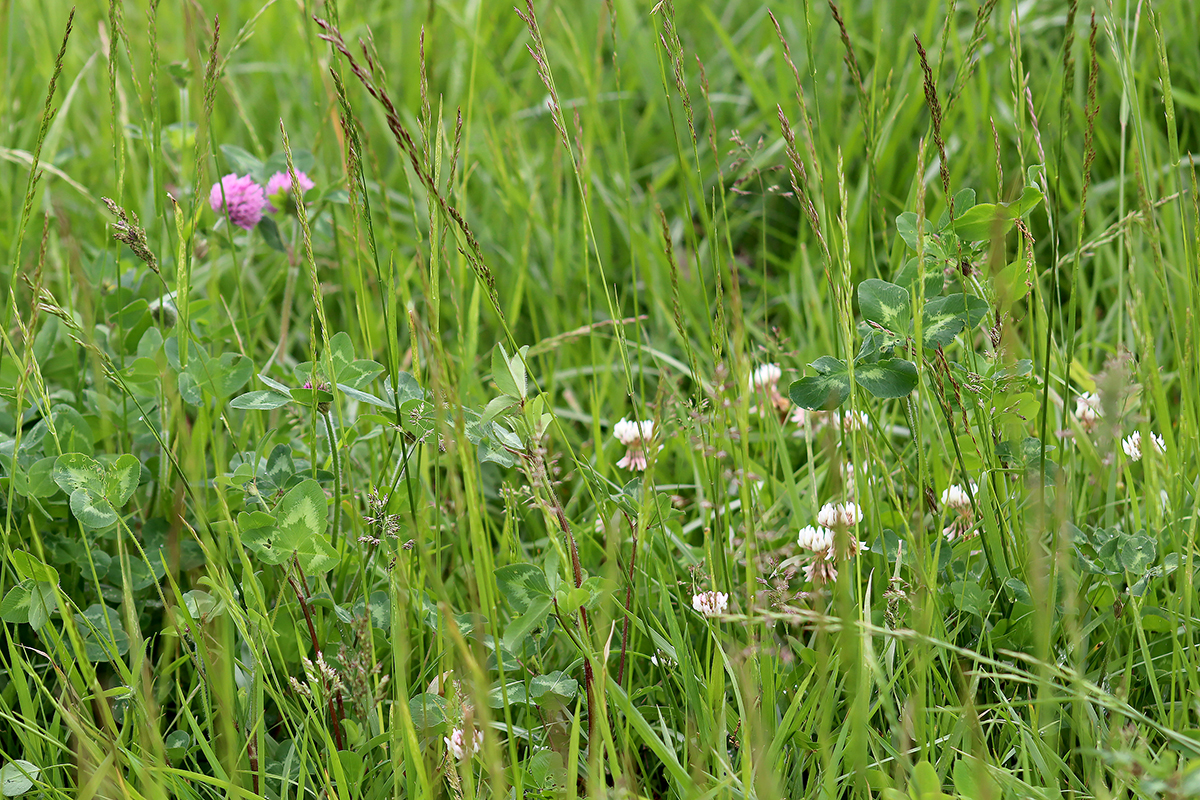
pixel 525 624
pixel 122 479
pixel 29 568
pixel 100 642
pixel 887 378
pixel 363 397
pixel 554 683
pixel 17 777
pixel 242 162
pixel 40 479
pixel 428 711
pixel 522 585
pixel 906 227
pixel 403 388
pixel 77 471
pixel 988 220
pixel 943 318
pixel 270 233
pixel 885 304
pixel 262 400
pixel 341 352
pixel 968 597
pixel 92 511
pixel 302 516
pixel 229 373
pixel 828 389
pixel 912 273
pixel 14 607
pixel 502 373
pixel 1137 553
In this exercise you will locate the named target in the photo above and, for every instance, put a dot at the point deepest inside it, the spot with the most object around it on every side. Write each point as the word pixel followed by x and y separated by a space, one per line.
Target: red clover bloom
pixel 242 197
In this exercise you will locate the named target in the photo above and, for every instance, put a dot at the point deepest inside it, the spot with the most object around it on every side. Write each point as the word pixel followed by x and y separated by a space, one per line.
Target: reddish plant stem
pixel 312 632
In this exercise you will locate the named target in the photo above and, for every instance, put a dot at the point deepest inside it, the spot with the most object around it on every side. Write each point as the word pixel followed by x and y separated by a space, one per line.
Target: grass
pixel 295 511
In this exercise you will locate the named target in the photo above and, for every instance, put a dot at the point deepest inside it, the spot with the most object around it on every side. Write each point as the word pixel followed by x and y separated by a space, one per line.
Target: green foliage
pixel 303 510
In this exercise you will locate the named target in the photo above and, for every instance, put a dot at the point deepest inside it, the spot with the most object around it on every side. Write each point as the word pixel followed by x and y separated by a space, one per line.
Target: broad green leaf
pixel 280 467
pixel 906 227
pixel 43 601
pixel 302 516
pixel 887 378
pixel 189 387
pixel 943 318
pixel 92 511
pixel 274 384
pixel 262 400
pixel 341 353
pixel 828 389
pixel 911 274
pixel 360 373
pixel 522 584
pixel 99 641
pixel 39 480
pixel 428 711
pixel 403 388
pixel 885 304
pixel 29 568
pixel 122 479
pixel 229 373
pixel 502 373
pixel 968 596
pixel 14 607
pixel 17 777
pixel 988 220
pixel 514 692
pixel 1137 553
pixel 78 471
pixel 555 683
pixel 242 162
pixel 526 623
pixel 270 233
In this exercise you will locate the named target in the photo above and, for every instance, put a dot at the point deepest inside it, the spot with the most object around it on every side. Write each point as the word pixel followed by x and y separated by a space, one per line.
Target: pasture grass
pixel 294 512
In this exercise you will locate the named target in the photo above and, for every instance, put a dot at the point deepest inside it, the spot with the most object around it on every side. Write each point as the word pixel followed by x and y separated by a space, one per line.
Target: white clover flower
pixel 852 476
pixel 820 571
pixel 764 383
pixel 956 497
pixel 711 604
pixel 764 376
pixel 816 539
pixel 661 659
pixel 854 421
pixel 807 420
pixel 460 746
pixel 839 515
pixel 1088 410
pixel 635 436
pixel 1132 445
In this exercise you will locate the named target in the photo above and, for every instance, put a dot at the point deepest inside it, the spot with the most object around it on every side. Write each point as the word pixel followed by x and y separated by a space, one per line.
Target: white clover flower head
pixel 710 604
pixel 764 382
pixel 853 476
pixel 956 497
pixel 815 539
pixel 854 421
pixel 820 571
pixel 462 747
pixel 636 436
pixel 1088 410
pixel 839 515
pixel 1132 445
pixel 765 375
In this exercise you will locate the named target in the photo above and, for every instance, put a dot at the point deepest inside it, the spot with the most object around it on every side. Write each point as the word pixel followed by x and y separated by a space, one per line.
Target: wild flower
pixel 855 476
pixel 636 436
pixel 764 384
pixel 839 515
pixel 242 197
pixel 279 187
pixel 807 420
pixel 710 604
pixel 854 421
pixel 1132 445
pixel 462 747
pixel 955 498
pixel 1088 410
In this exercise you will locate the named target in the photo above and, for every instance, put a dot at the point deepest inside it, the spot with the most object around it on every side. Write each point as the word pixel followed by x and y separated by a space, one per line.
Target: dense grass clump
pixel 602 399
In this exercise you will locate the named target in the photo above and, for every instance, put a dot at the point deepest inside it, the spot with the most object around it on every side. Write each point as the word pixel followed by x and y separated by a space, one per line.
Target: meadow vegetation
pixel 613 399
